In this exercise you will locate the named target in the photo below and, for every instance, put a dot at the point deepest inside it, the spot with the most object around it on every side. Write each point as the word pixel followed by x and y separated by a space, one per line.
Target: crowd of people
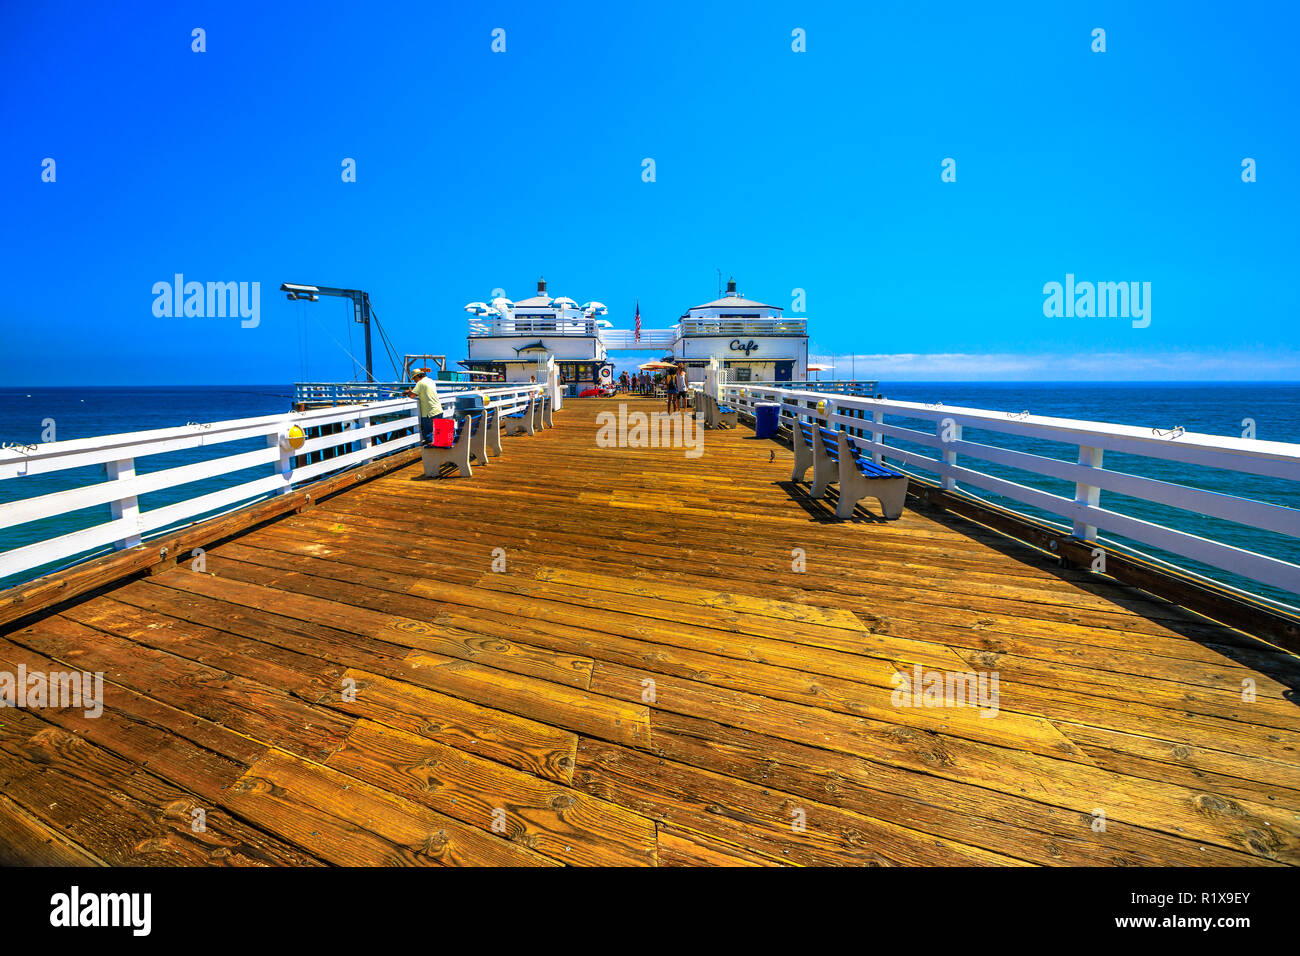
pixel 672 381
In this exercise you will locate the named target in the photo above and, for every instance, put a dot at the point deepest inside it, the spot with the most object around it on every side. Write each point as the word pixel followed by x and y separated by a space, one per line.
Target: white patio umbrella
pixel 564 302
pixel 595 308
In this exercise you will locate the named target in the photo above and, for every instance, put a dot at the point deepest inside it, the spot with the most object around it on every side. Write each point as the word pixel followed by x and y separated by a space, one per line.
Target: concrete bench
pixel 716 415
pixel 539 416
pixel 836 459
pixel 492 432
pixel 470 443
pixel 546 411
pixel 860 477
pixel 521 422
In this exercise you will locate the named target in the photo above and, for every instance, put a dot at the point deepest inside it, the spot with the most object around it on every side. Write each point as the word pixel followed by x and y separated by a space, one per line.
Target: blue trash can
pixel 468 405
pixel 766 417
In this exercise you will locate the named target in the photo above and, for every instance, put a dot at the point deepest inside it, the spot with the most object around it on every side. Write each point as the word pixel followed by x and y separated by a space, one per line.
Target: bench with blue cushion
pixel 461 450
pixel 521 422
pixel 716 415
pixel 835 458
pixel 493 430
pixel 861 477
pixel 813 450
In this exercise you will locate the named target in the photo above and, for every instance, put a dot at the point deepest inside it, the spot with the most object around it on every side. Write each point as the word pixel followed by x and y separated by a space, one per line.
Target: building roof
pixel 534 302
pixel 734 302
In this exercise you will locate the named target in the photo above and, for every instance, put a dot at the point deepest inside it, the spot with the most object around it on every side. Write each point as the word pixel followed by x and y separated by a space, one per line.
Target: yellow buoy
pixel 293 438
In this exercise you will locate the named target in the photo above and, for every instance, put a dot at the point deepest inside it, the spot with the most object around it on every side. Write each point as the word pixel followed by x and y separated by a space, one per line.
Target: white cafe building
pixel 515 339
pixel 751 339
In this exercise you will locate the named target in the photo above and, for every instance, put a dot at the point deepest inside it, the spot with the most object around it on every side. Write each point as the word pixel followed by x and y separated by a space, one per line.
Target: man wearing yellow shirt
pixel 430 408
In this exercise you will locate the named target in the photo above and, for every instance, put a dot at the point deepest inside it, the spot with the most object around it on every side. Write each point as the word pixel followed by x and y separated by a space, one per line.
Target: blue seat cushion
pixel 831 439
pixel 870 469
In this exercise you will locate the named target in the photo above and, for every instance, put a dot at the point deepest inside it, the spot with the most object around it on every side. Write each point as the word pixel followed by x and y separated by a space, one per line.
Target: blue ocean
pixel 1217 408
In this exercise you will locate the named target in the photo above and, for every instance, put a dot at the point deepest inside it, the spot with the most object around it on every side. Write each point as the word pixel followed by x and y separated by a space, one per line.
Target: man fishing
pixel 430 408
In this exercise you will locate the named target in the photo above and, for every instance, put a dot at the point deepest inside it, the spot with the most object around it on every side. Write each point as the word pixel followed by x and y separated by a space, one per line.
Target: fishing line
pixel 336 342
pixel 388 346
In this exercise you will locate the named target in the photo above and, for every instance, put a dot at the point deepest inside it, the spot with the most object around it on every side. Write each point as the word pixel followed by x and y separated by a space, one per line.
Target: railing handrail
pixel 1018 423
pixel 691 326
pixel 369 429
pixel 16 462
pixel 532 325
pixel 627 338
pixel 865 416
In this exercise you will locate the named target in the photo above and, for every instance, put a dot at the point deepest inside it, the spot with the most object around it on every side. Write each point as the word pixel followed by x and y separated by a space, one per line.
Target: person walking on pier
pixel 429 406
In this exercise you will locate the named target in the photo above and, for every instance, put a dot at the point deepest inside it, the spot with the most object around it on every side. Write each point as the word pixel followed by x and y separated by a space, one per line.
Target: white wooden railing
pixel 347 436
pixel 1084 512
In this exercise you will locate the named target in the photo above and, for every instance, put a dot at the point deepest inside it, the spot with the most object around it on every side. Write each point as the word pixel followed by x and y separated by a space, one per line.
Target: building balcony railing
pixel 744 327
pixel 651 339
pixel 624 338
pixel 528 325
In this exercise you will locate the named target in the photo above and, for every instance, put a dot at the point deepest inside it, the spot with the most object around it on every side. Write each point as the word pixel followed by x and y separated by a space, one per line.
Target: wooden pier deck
pixel 644 680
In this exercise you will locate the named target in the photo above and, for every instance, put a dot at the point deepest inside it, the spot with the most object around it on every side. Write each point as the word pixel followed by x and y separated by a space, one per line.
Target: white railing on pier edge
pixel 1245 456
pixel 370 431
pixel 351 393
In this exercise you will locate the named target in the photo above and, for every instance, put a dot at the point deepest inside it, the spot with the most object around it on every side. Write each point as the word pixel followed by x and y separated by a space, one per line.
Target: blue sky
pixel 817 170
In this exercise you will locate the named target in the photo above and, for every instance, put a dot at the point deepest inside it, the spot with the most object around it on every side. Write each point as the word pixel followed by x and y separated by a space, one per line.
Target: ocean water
pixel 1216 409
pixel 80 411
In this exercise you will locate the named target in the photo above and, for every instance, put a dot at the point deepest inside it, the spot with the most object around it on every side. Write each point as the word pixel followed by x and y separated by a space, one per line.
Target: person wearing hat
pixel 430 408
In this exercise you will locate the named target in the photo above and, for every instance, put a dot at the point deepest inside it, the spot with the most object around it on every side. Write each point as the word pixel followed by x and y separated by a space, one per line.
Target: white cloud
pixel 1273 365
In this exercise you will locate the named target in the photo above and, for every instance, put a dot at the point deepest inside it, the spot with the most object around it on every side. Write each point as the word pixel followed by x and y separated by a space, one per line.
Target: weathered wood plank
pixel 345 820
pixel 26 840
pixel 549 818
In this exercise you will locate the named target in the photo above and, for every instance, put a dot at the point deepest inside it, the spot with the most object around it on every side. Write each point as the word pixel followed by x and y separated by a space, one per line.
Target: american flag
pixel 638 320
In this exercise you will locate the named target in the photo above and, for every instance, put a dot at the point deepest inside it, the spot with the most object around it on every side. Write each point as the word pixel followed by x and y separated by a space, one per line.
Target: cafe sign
pixel 746 347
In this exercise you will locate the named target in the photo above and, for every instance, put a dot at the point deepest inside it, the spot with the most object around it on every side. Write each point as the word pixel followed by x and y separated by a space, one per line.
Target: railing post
pixel 878 438
pixel 949 457
pixel 284 467
pixel 367 441
pixel 127 507
pixel 1087 494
